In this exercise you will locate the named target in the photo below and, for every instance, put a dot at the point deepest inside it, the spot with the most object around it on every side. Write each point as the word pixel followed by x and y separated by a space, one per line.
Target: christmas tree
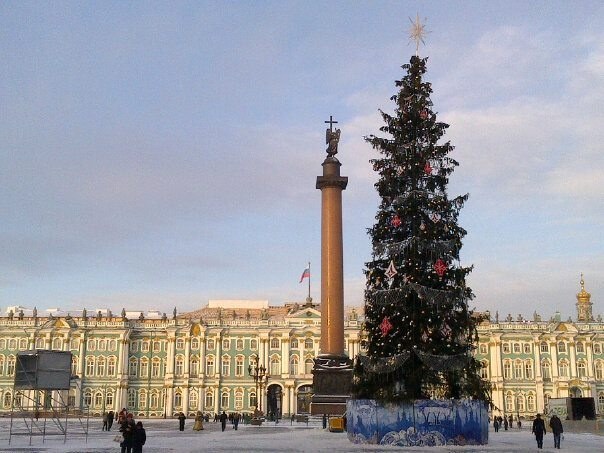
pixel 420 330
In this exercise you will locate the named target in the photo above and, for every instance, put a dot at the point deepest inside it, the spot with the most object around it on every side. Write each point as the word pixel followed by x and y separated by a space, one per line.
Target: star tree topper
pixel 417 32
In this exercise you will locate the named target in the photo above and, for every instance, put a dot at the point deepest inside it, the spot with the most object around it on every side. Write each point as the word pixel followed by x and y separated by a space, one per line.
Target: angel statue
pixel 331 139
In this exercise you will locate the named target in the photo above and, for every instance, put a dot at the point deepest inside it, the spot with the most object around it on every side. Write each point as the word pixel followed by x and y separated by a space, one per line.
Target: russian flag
pixel 305 274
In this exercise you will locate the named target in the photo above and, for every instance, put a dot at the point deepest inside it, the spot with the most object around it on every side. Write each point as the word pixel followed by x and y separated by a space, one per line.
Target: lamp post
pixel 258 372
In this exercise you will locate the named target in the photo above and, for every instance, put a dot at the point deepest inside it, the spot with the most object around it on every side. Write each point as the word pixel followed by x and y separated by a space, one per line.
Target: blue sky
pixel 160 154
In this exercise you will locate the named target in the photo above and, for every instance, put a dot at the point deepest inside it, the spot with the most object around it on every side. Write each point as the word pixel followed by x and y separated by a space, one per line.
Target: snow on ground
pixel 163 436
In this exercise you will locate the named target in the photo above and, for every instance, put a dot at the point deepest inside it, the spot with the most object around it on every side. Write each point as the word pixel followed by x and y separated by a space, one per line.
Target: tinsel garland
pixel 448 247
pixel 435 362
pixel 431 295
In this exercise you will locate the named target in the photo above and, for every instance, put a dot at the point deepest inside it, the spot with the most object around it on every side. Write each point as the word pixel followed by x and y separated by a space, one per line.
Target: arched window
pixel 194 366
pixel 209 405
pixel 239 344
pixel 563 368
pixel 581 369
pixel 109 400
pixel 482 348
pixel 239 366
pixel 226 365
pixel 275 366
pixel 154 400
pixel 180 343
pixel 309 344
pixel 253 345
pixel 98 399
pixel 40 343
pixel 87 398
pixel 544 346
pixel 23 343
pixel 100 366
pixel 528 369
pixel 193 400
pixel 2 343
pixel 178 399
pixel 57 344
pixel 179 365
pixel 601 402
pixel 597 348
pixel 131 398
pixel 561 346
pixel 156 367
pixel 520 403
pixel 226 344
pixel 530 403
pixel 10 365
pixel 144 367
pixel 518 369
pixel 517 348
pixel 210 365
pixel 8 399
pixel 111 367
pixel 210 345
pixel 156 346
pixel 74 344
pixel 507 369
pixel 112 345
pixel 12 344
pixel 90 366
pixel 252 399
pixel 1 365
pixel 546 369
pixel 102 345
pixel 599 368
pixel 308 366
pixel 133 366
pixel 293 365
pixel 74 365
pixel 527 348
pixel 580 347
pixel 224 399
pixel 275 343
pixel 484 369
pixel 294 343
pixel 238 399
pixel 509 402
pixel 195 343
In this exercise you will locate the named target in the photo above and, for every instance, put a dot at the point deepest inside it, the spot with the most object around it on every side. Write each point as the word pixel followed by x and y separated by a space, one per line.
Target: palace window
pixel 544 347
pixel 131 398
pixel 144 367
pixel 484 370
pixel 518 369
pixel 224 399
pixel 179 365
pixel 156 346
pixel 210 365
pixel 520 403
pixel 74 364
pixel 111 367
pixel 194 366
pixel 507 370
pixel 506 348
pixel 293 365
pixel 239 344
pixel 516 348
pixel 90 366
pixel 239 399
pixel 209 404
pixel 527 348
pixel 509 402
pixel 57 344
pixel 102 345
pixel 88 398
pixel 309 343
pixel 195 343
pixel 10 366
pixel 528 369
pixel 178 399
pixel 275 343
pixel 134 346
pixel 275 366
pixel 100 366
pixel 112 345
pixel 133 367
pixel 580 347
pixel 546 370
pixel 226 366
pixel 601 402
pixel 226 344
pixel 252 399
pixel 239 366
pixel 210 345
pixel 154 400
pixel 561 346
pixel 73 344
pixel 193 400
pixel 180 343
pixel 530 402
pixel 597 348
pixel 294 343
pixel 109 399
pixel 599 368
pixel 581 369
pixel 563 368
pixel 98 399
pixel 145 346
pixel 253 344
pixel 482 348
pixel 308 366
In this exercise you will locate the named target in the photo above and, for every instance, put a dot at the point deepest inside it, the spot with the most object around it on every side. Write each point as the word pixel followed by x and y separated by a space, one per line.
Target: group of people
pixel 108 420
pixel 506 422
pixel 133 434
pixel 233 418
pixel 555 425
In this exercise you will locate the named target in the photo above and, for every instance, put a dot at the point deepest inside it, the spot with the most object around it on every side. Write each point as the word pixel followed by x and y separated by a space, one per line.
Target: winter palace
pixel 157 365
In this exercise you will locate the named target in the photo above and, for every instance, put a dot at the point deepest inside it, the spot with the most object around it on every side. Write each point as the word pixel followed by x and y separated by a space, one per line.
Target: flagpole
pixel 309 275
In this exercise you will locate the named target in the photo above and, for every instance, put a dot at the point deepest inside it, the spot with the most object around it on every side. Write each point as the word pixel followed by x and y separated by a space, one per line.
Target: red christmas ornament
pixel 423 114
pixel 440 267
pixel 396 221
pixel 385 326
pixel 428 168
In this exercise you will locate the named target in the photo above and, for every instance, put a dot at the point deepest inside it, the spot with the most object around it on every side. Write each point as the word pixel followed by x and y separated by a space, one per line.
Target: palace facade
pixel 158 365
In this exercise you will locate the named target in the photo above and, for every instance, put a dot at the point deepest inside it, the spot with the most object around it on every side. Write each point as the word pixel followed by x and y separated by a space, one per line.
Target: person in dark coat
pixel 556 426
pixel 236 418
pixel 223 419
pixel 110 417
pixel 181 422
pixel 127 428
pixel 138 438
pixel 324 421
pixel 496 424
pixel 505 423
pixel 539 430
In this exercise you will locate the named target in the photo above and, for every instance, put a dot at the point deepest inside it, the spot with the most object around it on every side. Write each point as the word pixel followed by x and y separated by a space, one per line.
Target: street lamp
pixel 258 372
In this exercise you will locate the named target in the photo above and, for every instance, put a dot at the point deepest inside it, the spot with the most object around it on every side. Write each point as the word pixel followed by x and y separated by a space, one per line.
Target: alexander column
pixel 332 369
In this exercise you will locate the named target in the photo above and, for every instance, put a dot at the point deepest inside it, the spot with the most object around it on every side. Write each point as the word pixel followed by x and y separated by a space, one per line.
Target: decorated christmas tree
pixel 420 330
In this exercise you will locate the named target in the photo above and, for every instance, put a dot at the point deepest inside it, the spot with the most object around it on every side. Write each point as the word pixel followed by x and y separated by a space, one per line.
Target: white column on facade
pixel 185 400
pixel 170 401
pixel 537 356
pixel 81 354
pixel 267 354
pixel 590 360
pixel 187 356
pixel 285 356
pixel 553 352
pixel 285 398
pixel 170 358
pixel 202 359
pixel 218 367
pixel 573 359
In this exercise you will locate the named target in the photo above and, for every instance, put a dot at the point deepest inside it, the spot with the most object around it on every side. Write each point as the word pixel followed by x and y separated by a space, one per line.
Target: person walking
pixel 105 422
pixel 198 426
pixel 496 424
pixel 539 430
pixel 181 422
pixel 127 428
pixel 236 418
pixel 556 426
pixel 223 419
pixel 139 438
pixel 505 423
pixel 110 417
pixel 324 421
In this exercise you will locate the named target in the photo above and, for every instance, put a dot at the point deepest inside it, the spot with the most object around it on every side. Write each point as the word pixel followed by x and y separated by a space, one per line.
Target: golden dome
pixel 583 296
